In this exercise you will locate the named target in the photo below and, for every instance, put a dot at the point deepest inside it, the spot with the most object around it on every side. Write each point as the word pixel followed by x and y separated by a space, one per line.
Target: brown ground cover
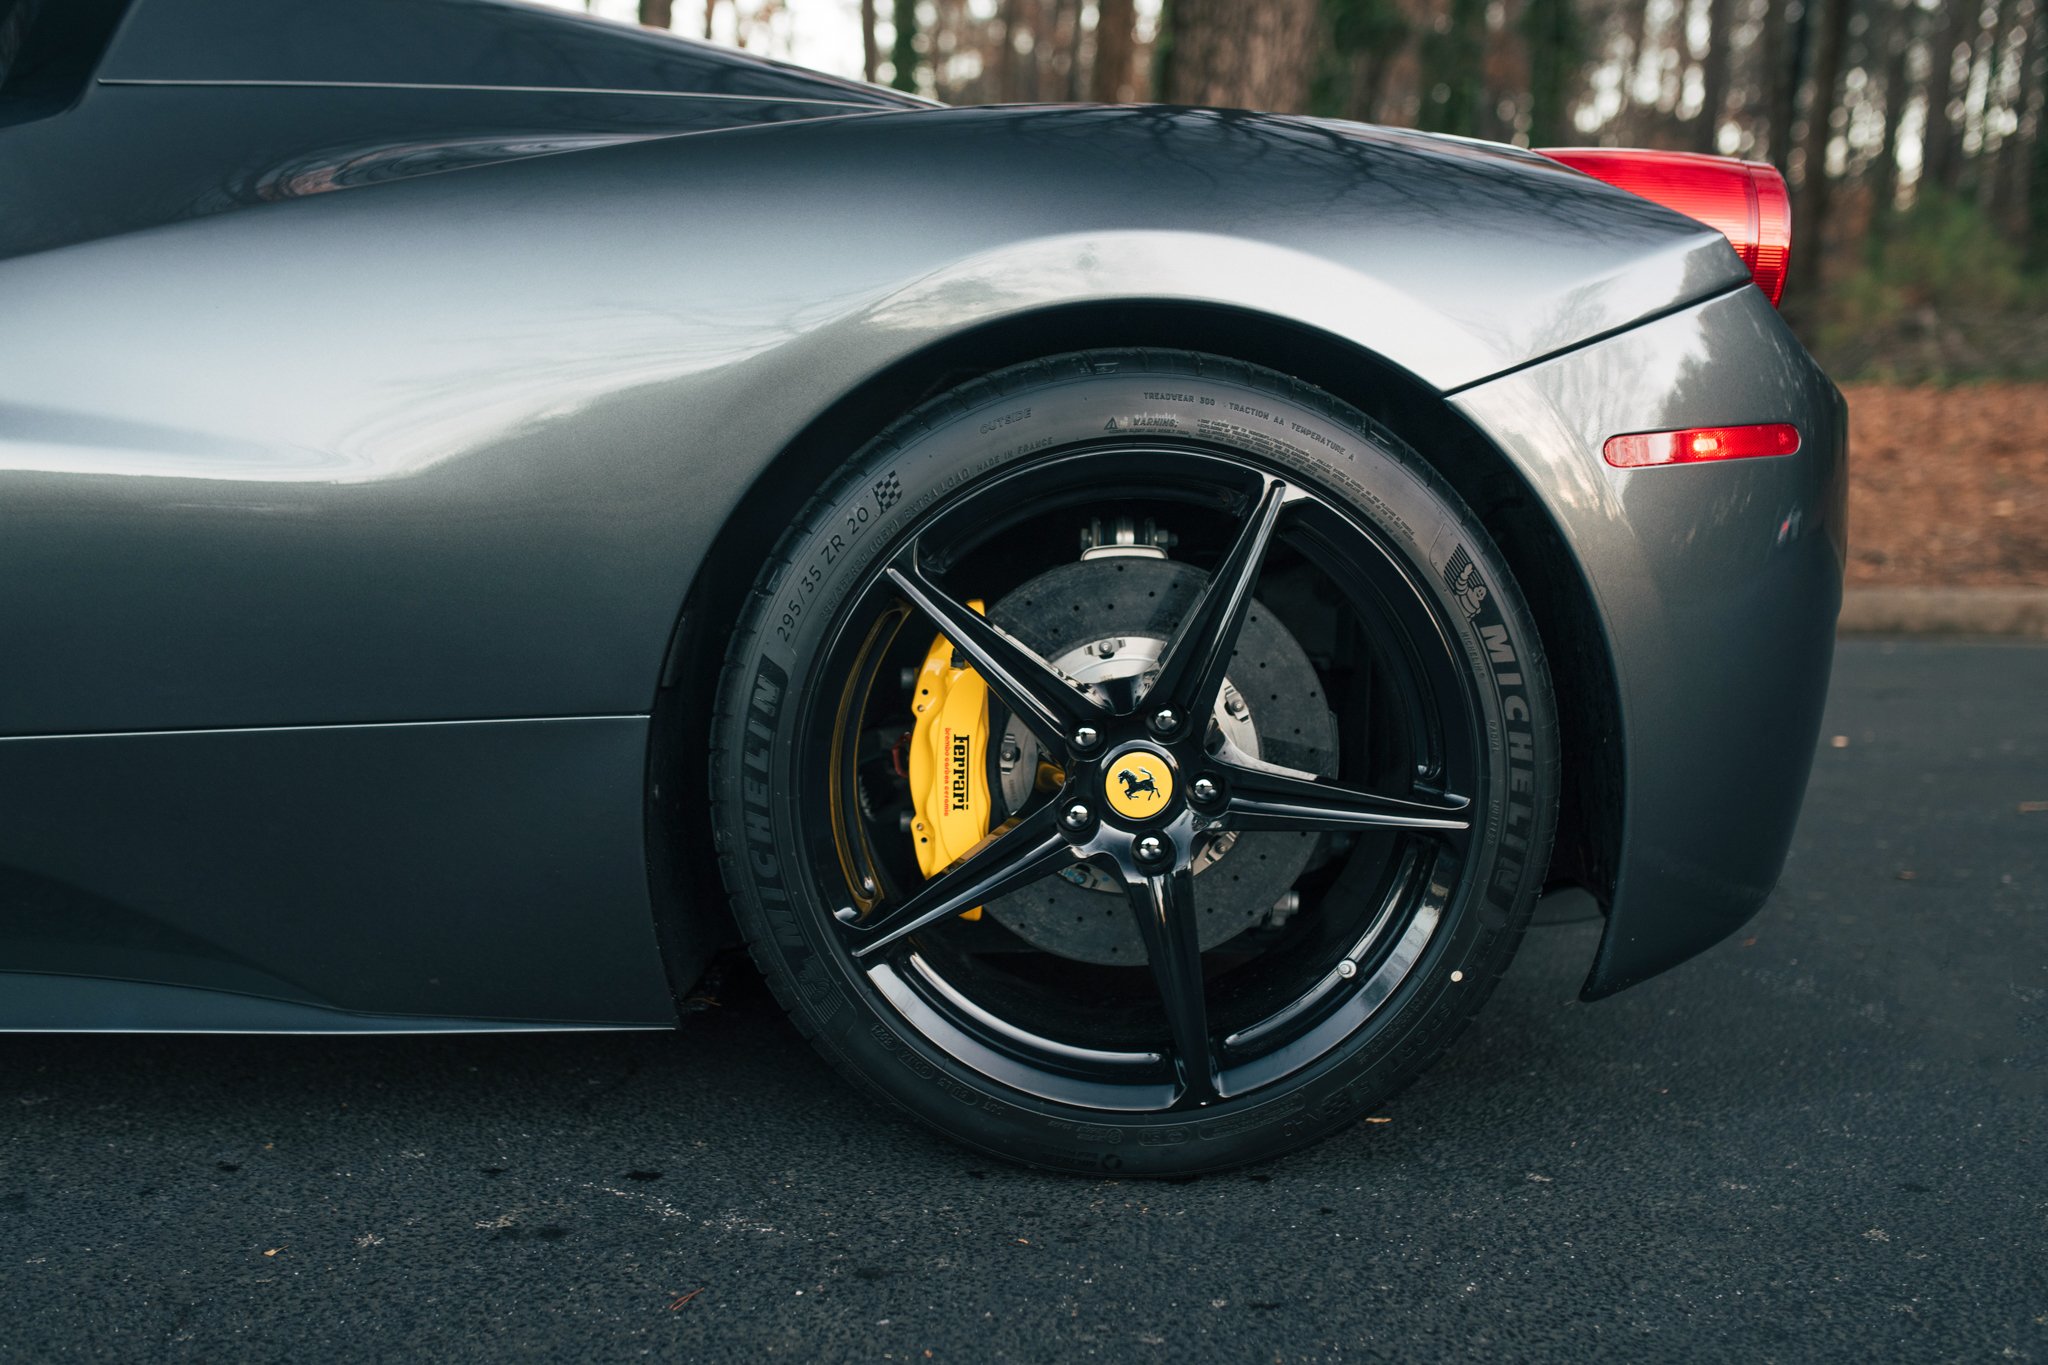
pixel 1948 486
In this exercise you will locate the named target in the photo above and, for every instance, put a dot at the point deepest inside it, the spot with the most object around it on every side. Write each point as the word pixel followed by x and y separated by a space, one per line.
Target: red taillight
pixel 1702 443
pixel 1745 201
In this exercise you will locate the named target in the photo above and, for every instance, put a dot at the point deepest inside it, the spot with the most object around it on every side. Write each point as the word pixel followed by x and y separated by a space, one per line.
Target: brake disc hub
pixel 1105 622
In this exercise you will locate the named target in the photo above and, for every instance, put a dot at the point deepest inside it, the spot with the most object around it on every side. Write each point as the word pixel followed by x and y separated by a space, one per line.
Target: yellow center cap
pixel 1138 784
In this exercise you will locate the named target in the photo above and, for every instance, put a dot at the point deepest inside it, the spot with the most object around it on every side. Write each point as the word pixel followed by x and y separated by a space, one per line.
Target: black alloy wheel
pixel 1266 765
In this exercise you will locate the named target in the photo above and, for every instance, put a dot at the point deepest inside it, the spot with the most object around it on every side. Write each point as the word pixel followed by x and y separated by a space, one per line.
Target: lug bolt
pixel 1087 737
pixel 1347 969
pixel 1077 817
pixel 1150 849
pixel 1205 789
pixel 1165 721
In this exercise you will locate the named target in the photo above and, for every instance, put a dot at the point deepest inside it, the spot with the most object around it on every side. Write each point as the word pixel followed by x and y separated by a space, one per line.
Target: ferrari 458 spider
pixel 1128 606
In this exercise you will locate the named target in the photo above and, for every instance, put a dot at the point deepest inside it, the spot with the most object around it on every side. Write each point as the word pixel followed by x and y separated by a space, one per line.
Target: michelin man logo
pixel 1461 576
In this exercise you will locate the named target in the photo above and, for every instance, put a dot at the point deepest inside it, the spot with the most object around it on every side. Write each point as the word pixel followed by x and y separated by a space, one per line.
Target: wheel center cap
pixel 1138 783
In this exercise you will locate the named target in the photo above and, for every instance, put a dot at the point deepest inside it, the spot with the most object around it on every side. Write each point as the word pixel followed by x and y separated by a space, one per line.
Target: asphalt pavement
pixel 1825 1139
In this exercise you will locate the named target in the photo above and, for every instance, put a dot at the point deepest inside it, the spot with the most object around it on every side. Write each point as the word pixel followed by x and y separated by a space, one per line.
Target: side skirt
pixel 438 874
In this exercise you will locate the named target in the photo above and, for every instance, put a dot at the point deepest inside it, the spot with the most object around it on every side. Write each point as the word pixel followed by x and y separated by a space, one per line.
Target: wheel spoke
pixel 1264 797
pixel 1013 856
pixel 1165 909
pixel 1053 707
pixel 1191 669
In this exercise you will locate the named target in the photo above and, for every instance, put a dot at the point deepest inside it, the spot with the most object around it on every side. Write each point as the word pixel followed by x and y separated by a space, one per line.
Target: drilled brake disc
pixel 1105 622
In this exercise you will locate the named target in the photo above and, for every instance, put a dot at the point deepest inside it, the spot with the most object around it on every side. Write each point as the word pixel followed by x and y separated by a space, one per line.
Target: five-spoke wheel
pixel 1126 785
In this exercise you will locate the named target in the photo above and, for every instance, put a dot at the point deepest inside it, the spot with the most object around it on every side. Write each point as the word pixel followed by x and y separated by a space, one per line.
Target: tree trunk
pixel 2031 192
pixel 1897 39
pixel 1453 84
pixel 1115 78
pixel 870 46
pixel 1023 17
pixel 1240 55
pixel 2001 58
pixel 903 52
pixel 1063 63
pixel 1715 75
pixel 1556 58
pixel 1635 34
pixel 951 32
pixel 1942 154
pixel 2026 179
pixel 1369 82
pixel 1811 213
pixel 710 14
pixel 1784 40
pixel 657 13
pixel 1978 95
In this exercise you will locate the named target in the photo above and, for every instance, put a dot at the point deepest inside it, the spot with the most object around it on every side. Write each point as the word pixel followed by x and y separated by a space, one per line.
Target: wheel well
pixel 681 850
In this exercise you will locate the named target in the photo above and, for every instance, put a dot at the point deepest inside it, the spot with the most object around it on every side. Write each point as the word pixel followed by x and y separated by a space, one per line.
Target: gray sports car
pixel 1128 606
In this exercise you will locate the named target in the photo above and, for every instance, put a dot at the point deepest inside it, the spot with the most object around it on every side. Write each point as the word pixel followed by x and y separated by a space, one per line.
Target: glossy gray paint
pixel 444 42
pixel 1718 587
pixel 490 871
pixel 220 149
pixel 460 440
pixel 287 445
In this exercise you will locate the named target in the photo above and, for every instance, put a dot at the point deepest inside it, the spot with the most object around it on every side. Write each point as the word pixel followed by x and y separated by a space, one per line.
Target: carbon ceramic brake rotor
pixel 1105 622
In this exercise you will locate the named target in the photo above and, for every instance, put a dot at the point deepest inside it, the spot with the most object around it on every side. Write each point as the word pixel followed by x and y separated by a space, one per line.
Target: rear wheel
pixel 1135 762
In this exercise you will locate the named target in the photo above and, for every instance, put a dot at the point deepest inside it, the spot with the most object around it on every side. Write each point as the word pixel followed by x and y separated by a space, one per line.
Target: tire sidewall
pixel 996 425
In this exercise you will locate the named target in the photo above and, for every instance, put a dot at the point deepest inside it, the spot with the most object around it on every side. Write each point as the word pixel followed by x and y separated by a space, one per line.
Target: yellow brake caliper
pixel 949 760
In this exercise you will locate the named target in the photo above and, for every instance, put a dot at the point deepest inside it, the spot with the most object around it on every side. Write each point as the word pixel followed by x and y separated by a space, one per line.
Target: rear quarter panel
pixel 1718 586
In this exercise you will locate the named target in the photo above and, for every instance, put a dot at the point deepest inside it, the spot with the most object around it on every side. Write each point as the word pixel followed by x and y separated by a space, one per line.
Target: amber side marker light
pixel 1701 444
pixel 1745 201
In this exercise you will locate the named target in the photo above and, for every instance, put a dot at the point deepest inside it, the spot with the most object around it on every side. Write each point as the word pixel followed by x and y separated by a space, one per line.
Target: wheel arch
pixel 690 904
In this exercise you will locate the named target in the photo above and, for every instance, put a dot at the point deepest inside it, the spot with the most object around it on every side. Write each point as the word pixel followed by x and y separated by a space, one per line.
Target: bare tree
pixel 2010 173
pixel 1063 57
pixel 1554 40
pixel 1365 39
pixel 1021 27
pixel 1115 77
pixel 1228 52
pixel 903 51
pixel 1831 39
pixel 870 46
pixel 2004 92
pixel 657 13
pixel 2027 185
pixel 1716 75
pixel 1454 71
pixel 1900 24
pixel 1941 160
pixel 1784 62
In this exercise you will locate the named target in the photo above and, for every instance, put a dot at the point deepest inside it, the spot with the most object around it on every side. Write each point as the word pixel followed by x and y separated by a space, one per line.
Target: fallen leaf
pixel 1379 1120
pixel 273 1251
pixel 1840 741
pixel 677 1304
pixel 2032 807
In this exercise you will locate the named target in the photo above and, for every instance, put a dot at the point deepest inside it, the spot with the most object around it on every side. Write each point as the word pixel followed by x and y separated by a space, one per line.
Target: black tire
pixel 1493 690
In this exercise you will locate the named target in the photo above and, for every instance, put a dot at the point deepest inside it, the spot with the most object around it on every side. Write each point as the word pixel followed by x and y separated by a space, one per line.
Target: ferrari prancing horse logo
pixel 1140 784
